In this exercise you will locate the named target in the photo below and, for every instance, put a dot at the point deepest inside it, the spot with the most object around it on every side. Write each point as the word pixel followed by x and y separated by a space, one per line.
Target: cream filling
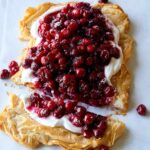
pixel 111 69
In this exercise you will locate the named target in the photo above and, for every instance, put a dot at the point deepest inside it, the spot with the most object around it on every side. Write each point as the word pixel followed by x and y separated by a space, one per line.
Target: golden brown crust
pixel 16 123
pixel 120 19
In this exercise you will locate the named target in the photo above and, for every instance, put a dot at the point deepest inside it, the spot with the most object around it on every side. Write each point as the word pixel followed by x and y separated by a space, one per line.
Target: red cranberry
pixel 80 110
pixel 44 74
pixel 87 133
pixel 89 118
pixel 48 18
pixel 13 67
pixel 65 33
pixel 103 1
pixel 109 91
pixel 104 55
pixel 78 61
pixel 37 84
pixel 141 109
pixel 77 121
pixel 76 13
pixel 98 133
pixel 50 105
pixel 4 74
pixel 44 60
pixel 80 72
pixel 27 63
pixel 35 66
pixel 102 125
pixel 73 26
pixel 35 98
pixel 91 48
pixel 43 112
pixel 59 112
pixel 50 85
pixel 103 147
pixel 89 61
pixel 70 106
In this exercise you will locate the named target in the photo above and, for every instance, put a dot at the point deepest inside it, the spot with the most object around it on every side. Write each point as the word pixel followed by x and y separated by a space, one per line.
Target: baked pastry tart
pixel 76 61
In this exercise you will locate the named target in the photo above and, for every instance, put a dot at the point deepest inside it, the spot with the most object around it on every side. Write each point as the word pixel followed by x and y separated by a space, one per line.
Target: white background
pixel 137 135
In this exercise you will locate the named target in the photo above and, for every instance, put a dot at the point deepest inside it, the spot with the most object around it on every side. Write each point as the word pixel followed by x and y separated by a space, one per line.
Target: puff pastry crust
pixel 122 79
pixel 15 122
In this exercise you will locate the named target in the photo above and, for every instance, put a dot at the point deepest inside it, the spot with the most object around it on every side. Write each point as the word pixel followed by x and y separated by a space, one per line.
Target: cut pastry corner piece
pixel 16 122
pixel 121 80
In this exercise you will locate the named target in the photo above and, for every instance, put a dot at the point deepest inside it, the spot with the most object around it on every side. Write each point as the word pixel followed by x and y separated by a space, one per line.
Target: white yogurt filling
pixel 111 69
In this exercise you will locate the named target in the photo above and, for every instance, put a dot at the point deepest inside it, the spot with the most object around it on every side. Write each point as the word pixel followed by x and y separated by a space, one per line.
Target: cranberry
pixel 87 133
pixel 27 63
pixel 89 118
pixel 80 110
pixel 44 60
pixel 59 112
pixel 105 56
pixel 35 66
pixel 80 72
pixel 141 109
pixel 43 112
pixel 109 91
pixel 50 85
pixel 91 48
pixel 5 74
pixel 37 84
pixel 98 133
pixel 89 61
pixel 104 147
pixel 51 105
pixel 102 125
pixel 73 26
pixel 76 13
pixel 35 98
pixel 44 74
pixel 77 121
pixel 13 67
pixel 103 1
pixel 78 61
pixel 70 106
pixel 65 33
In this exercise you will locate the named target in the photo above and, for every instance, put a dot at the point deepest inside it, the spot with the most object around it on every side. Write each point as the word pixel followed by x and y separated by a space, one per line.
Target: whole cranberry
pixel 44 60
pixel 77 121
pixel 4 74
pixel 104 147
pixel 59 112
pixel 73 26
pixel 103 1
pixel 51 105
pixel 27 63
pixel 80 110
pixel 80 72
pixel 89 118
pixel 43 112
pixel 70 106
pixel 91 48
pixel 13 67
pixel 87 133
pixel 141 109
pixel 77 13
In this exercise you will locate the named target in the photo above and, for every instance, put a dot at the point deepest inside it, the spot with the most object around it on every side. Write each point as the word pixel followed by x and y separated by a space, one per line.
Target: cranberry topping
pixel 103 147
pixel 76 45
pixel 4 74
pixel 141 109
